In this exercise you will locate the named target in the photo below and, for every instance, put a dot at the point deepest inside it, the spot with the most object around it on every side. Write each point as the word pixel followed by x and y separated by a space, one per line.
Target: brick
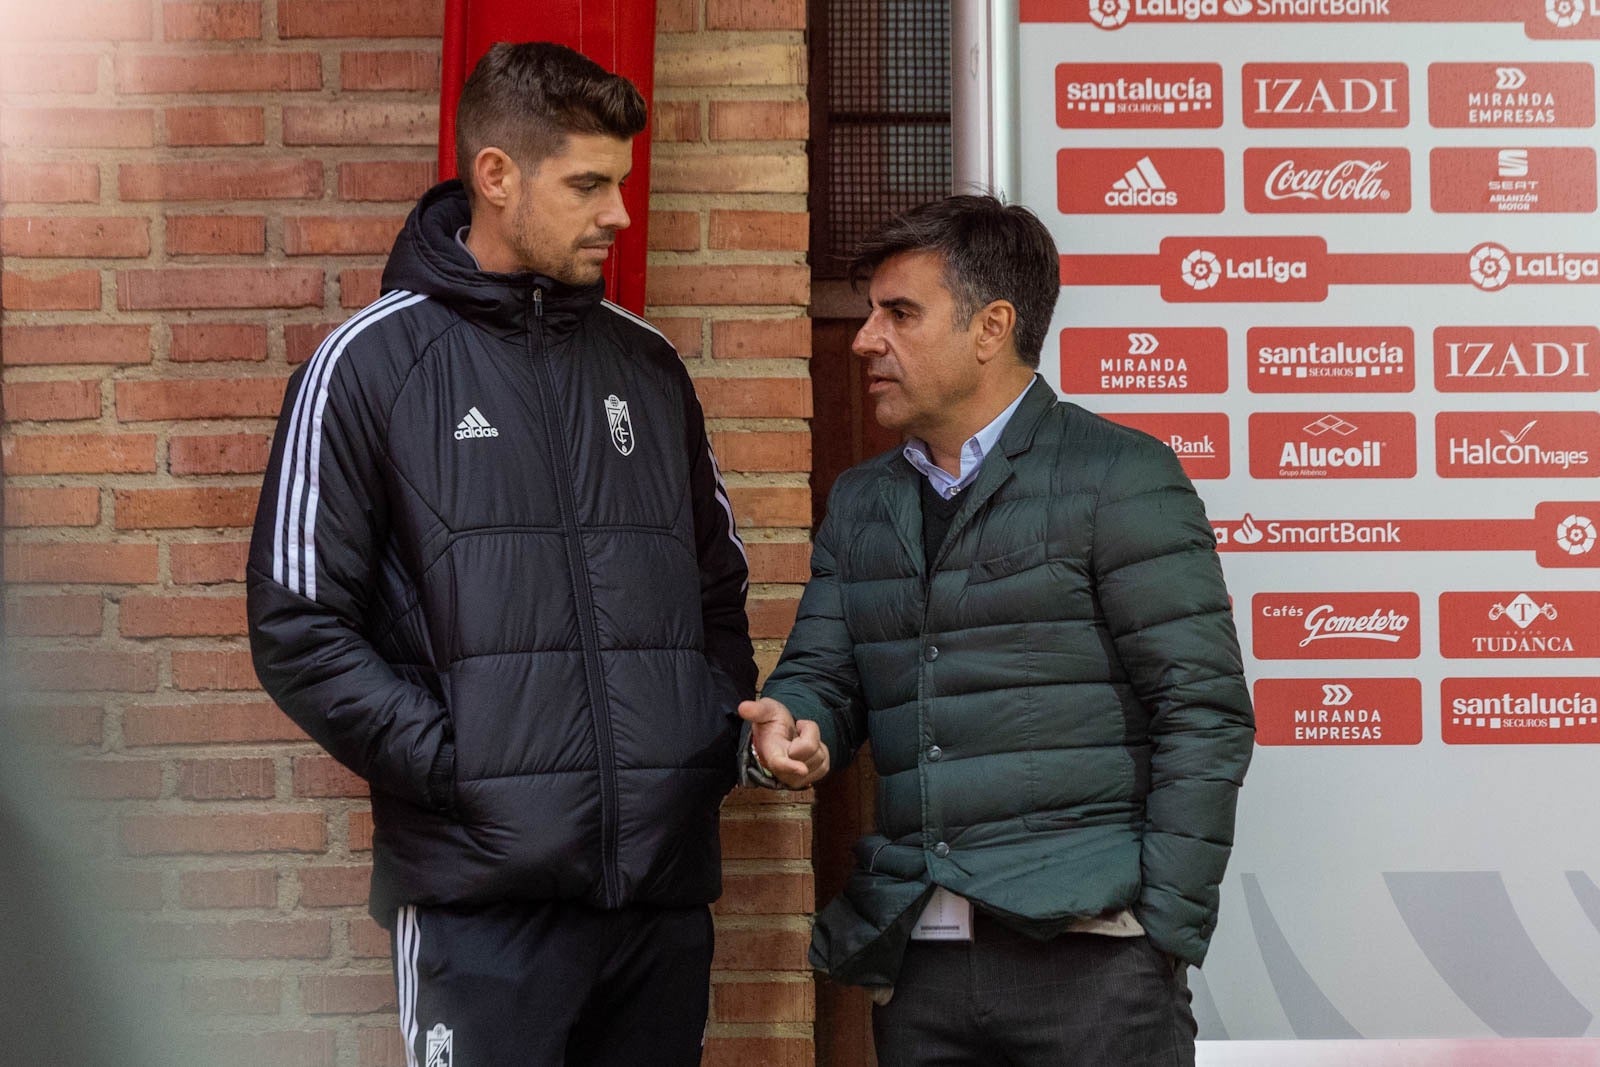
pixel 729 65
pixel 307 939
pixel 77 237
pixel 167 288
pixel 767 1051
pixel 30 506
pixel 772 617
pixel 755 14
pixel 96 564
pixel 206 724
pixel 51 401
pixel 355 18
pixel 53 72
pixel 761 338
pixel 213 235
pixel 211 22
pixel 732 398
pixel 176 835
pixel 253 888
pixel 232 996
pixel 334 887
pixel 115 779
pixel 380 1047
pixel 176 509
pixel 79 453
pixel 368 940
pixel 82 670
pixel 684 333
pixel 55 345
pixel 763 1002
pixel 787 231
pixel 72 614
pixel 234 71
pixel 281 1048
pixel 359 287
pixel 725 173
pixel 77 290
pixel 766 839
pixel 700 285
pixel 739 949
pixel 399 180
pixel 677 16
pixel 63 724
pixel 674 231
pixel 197 126
pixel 199 398
pixel 361 124
pixel 146 615
pixel 256 179
pixel 301 339
pixel 360 831
pixel 774 893
pixel 227 779
pixel 743 451
pixel 208 562
pixel 324 776
pixel 237 453
pixel 346 994
pixel 340 235
pixel 80 127
pixel 760 120
pixel 675 120
pixel 213 670
pixel 86 20
pixel 216 342
pixel 389 71
pixel 49 183
pixel 779 561
pixel 771 506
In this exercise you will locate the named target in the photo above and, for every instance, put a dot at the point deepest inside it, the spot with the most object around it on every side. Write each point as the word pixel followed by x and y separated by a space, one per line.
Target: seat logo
pixel 621 425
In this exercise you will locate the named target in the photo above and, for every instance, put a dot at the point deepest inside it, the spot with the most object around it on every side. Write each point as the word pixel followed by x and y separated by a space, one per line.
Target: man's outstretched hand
pixel 791 751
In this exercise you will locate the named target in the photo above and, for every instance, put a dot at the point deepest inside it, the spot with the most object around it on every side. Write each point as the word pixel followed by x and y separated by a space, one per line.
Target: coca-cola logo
pixel 1327 180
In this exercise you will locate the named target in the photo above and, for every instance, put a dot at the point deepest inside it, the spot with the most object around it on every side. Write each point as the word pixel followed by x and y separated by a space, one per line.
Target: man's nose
pixel 614 216
pixel 868 340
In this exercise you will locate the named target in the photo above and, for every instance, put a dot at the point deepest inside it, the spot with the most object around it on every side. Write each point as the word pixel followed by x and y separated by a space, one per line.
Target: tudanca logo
pixel 1200 440
pixel 1138 95
pixel 1508 711
pixel 1336 625
pixel 1296 359
pixel 1523 359
pixel 1367 444
pixel 1508 78
pixel 1549 625
pixel 1324 95
pixel 1342 712
pixel 1327 180
pixel 1098 181
pixel 1529 444
pixel 1168 359
pixel 1527 96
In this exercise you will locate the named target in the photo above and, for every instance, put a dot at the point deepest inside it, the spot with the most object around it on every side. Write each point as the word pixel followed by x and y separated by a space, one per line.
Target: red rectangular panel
pixel 1327 181
pixel 1326 95
pixel 1517 444
pixel 1520 711
pixel 1526 96
pixel 1520 625
pixel 1512 181
pixel 1243 269
pixel 1331 359
pixel 1338 712
pixel 1351 444
pixel 1144 359
pixel 1139 181
pixel 1516 359
pixel 1112 96
pixel 1336 625
pixel 1200 439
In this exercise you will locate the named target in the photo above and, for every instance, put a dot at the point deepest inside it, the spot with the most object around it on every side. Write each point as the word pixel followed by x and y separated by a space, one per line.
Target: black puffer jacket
pixel 495 573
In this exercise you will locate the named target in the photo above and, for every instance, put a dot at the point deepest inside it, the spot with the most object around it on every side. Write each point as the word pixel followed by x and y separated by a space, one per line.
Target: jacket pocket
pixel 1014 562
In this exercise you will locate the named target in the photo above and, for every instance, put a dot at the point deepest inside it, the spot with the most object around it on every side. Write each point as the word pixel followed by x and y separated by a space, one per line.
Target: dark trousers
pixel 553 984
pixel 1005 999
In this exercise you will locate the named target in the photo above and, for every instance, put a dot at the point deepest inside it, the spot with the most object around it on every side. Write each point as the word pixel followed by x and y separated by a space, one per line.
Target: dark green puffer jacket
pixel 1059 716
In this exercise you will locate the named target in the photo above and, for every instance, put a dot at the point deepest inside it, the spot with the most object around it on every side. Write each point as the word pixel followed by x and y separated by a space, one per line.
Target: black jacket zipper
pixel 599 706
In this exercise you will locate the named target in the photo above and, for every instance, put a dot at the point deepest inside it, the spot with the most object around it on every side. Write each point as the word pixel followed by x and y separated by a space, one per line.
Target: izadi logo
pixel 1201 270
pixel 441 1046
pixel 475 425
pixel 1513 162
pixel 1489 267
pixel 1563 14
pixel 1523 611
pixel 1142 344
pixel 1141 186
pixel 1509 78
pixel 1109 14
pixel 621 425
pixel 1336 695
pixel 1576 535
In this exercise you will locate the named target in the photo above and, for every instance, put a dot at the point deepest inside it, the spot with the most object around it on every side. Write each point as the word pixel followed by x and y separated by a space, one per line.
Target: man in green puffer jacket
pixel 1024 612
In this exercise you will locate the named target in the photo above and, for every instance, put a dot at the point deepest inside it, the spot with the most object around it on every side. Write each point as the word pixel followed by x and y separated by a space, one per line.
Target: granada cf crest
pixel 441 1046
pixel 621 425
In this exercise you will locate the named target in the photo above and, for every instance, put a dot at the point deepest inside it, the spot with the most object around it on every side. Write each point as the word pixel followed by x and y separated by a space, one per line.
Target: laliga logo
pixel 1576 534
pixel 1563 13
pixel 1142 344
pixel 1109 14
pixel 1508 78
pixel 1490 267
pixel 1201 270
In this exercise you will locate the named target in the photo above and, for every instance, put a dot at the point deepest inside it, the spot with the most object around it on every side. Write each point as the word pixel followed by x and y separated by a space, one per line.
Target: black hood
pixel 428 259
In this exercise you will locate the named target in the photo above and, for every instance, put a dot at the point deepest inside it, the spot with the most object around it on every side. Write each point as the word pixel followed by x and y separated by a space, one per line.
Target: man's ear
pixel 993 326
pixel 493 176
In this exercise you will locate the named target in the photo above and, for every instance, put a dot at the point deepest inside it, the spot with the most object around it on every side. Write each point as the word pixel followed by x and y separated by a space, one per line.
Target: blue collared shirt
pixel 977 446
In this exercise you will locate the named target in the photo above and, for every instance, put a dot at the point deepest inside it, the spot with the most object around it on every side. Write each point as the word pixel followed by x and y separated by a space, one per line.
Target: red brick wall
pixel 191 195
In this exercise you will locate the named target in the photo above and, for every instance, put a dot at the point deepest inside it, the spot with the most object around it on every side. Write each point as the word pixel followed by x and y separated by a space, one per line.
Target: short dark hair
pixel 991 250
pixel 527 98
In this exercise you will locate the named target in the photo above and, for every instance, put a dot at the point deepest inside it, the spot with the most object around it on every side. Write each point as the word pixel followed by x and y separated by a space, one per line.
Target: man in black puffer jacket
pixel 1024 611
pixel 495 573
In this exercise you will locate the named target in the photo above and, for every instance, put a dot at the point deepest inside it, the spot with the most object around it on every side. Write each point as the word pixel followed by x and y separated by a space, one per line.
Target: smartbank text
pixel 1195 10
